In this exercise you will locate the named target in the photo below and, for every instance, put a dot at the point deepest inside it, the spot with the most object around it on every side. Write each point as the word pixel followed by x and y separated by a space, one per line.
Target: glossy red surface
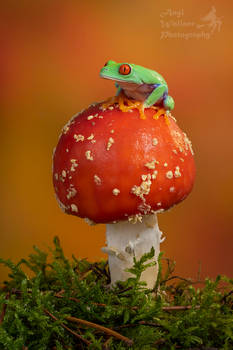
pixel 148 162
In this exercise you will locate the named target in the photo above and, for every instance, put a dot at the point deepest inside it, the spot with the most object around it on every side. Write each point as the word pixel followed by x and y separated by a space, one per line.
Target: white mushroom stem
pixel 125 241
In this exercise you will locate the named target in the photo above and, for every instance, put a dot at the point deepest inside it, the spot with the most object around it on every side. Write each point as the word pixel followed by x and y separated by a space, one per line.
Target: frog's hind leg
pixel 156 95
pixel 168 103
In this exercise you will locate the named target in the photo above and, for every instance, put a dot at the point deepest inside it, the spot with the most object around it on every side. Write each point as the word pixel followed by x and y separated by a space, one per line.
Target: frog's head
pixel 121 72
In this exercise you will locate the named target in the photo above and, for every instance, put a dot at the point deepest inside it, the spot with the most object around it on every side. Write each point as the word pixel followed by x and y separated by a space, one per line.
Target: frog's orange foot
pixel 123 102
pixel 110 102
pixel 125 105
pixel 160 112
pixel 141 111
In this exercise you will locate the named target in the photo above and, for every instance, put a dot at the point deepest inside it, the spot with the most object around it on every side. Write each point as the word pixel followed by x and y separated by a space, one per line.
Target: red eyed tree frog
pixel 139 83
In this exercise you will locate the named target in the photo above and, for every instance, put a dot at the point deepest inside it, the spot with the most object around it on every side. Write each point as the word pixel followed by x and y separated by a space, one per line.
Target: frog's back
pixel 150 76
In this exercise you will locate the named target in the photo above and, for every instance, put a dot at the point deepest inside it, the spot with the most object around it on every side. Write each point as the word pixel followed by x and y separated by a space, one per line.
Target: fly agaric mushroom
pixel 116 168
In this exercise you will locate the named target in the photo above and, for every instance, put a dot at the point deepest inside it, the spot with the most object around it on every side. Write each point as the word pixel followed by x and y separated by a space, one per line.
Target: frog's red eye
pixel 125 69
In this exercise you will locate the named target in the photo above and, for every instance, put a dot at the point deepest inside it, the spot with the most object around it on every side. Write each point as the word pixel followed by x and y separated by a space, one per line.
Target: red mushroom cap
pixel 111 165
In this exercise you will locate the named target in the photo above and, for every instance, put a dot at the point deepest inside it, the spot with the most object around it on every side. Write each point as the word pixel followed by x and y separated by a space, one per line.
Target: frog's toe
pixel 168 103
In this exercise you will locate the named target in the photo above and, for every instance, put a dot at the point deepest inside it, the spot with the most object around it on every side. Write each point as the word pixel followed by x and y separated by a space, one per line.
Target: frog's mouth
pixel 104 76
pixel 122 82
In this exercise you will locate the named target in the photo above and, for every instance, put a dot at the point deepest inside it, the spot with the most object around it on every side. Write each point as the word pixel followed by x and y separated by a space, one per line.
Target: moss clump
pixel 68 305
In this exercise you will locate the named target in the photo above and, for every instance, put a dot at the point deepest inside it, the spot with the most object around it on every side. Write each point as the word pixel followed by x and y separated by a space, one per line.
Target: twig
pixel 4 308
pixel 145 323
pixel 179 308
pixel 224 298
pixel 59 295
pixel 99 271
pixel 170 266
pixel 189 281
pixel 101 328
pixel 129 325
pixel 159 341
pixel 165 308
pixel 181 347
pixel 124 290
pixel 68 329
pixel 106 344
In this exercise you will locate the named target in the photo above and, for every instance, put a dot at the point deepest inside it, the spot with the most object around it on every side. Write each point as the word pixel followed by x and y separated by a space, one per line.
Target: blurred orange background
pixel 51 54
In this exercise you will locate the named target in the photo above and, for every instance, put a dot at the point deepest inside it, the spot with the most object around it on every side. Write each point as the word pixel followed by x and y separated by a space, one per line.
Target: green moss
pixel 68 305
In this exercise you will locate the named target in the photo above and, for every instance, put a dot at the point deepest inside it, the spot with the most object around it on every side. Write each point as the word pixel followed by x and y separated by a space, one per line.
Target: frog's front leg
pixel 115 99
pixel 120 93
pixel 119 89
